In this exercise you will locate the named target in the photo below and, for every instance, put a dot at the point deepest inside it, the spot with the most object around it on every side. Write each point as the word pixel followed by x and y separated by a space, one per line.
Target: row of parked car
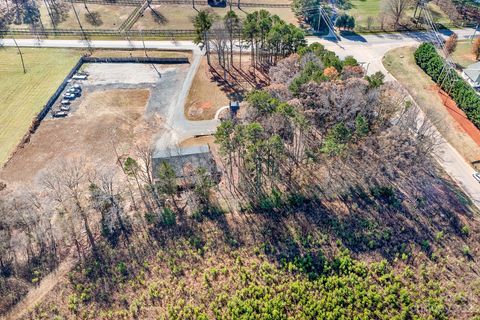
pixel 71 93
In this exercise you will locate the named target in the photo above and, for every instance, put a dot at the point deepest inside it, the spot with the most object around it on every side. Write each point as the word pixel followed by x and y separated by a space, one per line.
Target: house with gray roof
pixel 185 162
pixel 472 74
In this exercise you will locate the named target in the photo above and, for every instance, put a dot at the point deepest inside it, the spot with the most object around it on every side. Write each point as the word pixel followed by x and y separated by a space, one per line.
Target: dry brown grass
pixel 104 119
pixel 422 89
pixel 180 16
pixel 205 96
pixel 210 140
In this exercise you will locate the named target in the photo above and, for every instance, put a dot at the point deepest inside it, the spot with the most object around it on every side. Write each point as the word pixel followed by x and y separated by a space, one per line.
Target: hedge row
pixel 460 91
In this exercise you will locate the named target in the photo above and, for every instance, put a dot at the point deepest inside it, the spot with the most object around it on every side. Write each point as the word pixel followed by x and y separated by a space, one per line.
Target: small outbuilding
pixel 185 162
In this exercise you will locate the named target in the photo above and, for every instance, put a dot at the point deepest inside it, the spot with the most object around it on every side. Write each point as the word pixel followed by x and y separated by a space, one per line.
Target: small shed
pixel 185 162
pixel 234 107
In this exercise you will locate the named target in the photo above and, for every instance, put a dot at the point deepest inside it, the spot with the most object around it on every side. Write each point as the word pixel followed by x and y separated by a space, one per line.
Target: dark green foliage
pixel 271 36
pixel 311 72
pixel 330 59
pixel 385 194
pixel 344 21
pixel 167 179
pixel 262 101
pixel 168 217
pixel 336 139
pixel 202 22
pixel 131 167
pixel 350 61
pixel 344 289
pixel 31 14
pixel 361 126
pixel 375 80
pixel 122 269
pixel 203 184
pixel 272 201
pixel 464 95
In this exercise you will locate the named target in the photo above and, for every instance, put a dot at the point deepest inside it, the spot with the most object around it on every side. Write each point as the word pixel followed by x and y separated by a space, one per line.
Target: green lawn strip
pixel 22 96
pixel 462 54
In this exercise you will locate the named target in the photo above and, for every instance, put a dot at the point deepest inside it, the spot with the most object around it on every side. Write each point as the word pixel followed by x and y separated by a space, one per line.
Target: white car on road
pixel 476 175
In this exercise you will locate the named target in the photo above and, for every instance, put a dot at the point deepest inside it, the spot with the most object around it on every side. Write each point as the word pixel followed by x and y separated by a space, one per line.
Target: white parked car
pixel 476 175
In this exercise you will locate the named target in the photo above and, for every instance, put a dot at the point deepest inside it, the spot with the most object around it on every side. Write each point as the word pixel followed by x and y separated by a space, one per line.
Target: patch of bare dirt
pixel 210 140
pixel 105 121
pixel 460 117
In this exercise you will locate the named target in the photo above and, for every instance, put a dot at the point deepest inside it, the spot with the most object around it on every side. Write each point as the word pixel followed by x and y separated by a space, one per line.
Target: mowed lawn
pixel 363 9
pixel 22 96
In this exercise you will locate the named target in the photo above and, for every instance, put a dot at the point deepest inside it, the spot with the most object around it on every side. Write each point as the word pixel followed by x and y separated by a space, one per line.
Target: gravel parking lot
pixel 121 106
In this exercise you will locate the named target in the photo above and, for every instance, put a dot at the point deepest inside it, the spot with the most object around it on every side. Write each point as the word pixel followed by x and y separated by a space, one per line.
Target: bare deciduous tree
pixel 396 9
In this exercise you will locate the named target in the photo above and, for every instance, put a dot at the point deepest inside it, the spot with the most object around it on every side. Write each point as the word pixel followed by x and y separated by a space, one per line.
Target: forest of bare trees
pixel 28 12
pixel 309 135
pixel 321 134
pixel 79 210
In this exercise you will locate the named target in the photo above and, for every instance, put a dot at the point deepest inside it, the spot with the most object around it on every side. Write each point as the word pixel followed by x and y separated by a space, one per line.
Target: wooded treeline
pixel 28 12
pixel 320 129
pixel 447 78
pixel 81 211
pixel 266 36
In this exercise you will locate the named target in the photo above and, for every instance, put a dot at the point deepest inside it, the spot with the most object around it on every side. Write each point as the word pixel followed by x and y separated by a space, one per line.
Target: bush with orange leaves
pixel 331 73
pixel 476 48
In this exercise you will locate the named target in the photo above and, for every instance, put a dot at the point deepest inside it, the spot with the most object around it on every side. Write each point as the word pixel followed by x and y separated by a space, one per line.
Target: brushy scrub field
pixel 22 96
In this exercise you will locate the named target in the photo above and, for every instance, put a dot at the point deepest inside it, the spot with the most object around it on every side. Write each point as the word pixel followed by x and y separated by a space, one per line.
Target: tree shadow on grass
pixel 158 17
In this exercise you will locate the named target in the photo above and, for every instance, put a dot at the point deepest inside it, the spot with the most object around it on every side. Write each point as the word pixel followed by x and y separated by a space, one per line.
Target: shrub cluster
pixel 461 92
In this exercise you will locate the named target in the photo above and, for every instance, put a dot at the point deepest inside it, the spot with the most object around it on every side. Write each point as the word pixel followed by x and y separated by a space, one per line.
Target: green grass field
pixel 363 9
pixel 462 54
pixel 22 96
pixel 181 16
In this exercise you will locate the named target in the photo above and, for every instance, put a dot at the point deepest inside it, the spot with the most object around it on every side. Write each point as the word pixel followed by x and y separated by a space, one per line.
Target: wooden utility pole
pixel 21 55
pixel 143 43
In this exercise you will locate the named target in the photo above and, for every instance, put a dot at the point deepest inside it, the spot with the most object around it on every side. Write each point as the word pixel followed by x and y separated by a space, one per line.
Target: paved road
pixel 368 49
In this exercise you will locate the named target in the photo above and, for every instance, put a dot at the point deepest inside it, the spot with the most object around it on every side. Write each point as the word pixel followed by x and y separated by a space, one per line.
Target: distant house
pixel 472 74
pixel 185 162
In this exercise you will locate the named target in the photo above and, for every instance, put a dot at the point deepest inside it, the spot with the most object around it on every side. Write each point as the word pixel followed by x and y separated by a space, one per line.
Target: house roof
pixel 473 71
pixel 180 152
